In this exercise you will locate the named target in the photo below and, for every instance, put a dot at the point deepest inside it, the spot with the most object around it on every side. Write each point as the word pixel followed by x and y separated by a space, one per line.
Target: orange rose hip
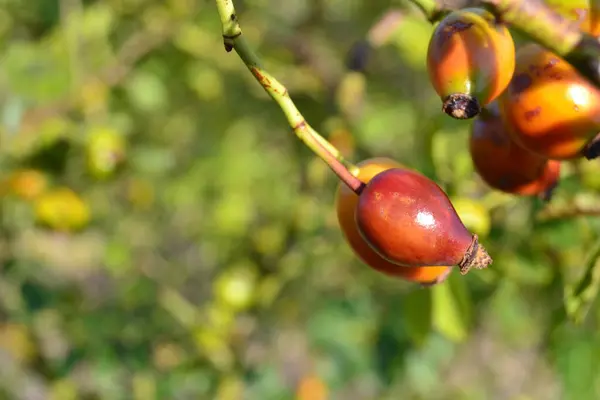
pixel 506 166
pixel 549 108
pixel 470 60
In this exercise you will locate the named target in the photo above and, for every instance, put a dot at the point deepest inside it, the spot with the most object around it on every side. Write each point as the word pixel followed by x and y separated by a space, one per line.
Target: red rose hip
pixel 409 220
pixel 506 166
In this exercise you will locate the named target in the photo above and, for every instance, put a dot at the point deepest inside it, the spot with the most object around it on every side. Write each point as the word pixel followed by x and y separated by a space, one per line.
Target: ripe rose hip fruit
pixel 549 108
pixel 506 166
pixel 409 220
pixel 470 60
pixel 346 202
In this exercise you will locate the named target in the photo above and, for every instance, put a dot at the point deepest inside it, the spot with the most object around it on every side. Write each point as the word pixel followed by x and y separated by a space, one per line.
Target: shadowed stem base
pixel 592 150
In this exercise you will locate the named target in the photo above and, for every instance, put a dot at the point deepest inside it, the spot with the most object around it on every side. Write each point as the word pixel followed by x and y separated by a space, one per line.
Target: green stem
pixel 582 295
pixel 551 213
pixel 544 26
pixel 234 40
pixel 433 10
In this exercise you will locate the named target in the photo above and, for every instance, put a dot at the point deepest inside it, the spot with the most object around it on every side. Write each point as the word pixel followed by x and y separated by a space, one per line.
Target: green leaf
pixel 575 355
pixel 579 297
pixel 417 309
pixel 411 39
pixel 452 308
pixel 35 73
pixel 147 92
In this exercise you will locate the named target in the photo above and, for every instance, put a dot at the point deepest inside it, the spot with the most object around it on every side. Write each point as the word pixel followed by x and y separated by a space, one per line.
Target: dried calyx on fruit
pixel 346 202
pixel 470 59
pixel 549 108
pixel 506 166
pixel 409 220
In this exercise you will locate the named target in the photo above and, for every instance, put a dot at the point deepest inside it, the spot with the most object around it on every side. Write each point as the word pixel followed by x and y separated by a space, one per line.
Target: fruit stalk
pixel 434 10
pixel 553 213
pixel 234 40
pixel 544 26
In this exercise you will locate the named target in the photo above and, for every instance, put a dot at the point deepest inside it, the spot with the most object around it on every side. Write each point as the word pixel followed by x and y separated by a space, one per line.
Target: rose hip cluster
pixel 530 110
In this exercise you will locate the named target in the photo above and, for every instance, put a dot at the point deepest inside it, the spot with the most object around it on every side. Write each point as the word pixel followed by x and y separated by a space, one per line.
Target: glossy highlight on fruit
pixel 470 59
pixel 506 166
pixel 549 108
pixel 409 220
pixel 346 202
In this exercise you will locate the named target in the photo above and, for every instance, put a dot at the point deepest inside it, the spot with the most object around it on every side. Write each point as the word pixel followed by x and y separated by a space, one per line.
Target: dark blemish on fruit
pixel 521 82
pixel 455 27
pixel 531 114
pixel 576 107
pixel 556 76
pixel 551 63
pixel 459 26
pixel 535 70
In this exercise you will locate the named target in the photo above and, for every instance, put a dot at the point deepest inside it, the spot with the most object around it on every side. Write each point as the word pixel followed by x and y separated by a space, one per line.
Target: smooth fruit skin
pixel 470 59
pixel 548 107
pixel 409 220
pixel 506 166
pixel 346 201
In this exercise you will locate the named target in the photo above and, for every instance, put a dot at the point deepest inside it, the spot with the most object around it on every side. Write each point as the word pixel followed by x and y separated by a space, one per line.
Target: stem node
pixel 233 40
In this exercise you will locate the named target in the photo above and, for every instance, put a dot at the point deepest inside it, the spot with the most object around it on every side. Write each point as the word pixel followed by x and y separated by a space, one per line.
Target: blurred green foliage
pixel 165 236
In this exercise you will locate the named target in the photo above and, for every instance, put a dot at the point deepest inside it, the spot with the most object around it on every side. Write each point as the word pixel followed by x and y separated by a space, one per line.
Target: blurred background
pixel 165 236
